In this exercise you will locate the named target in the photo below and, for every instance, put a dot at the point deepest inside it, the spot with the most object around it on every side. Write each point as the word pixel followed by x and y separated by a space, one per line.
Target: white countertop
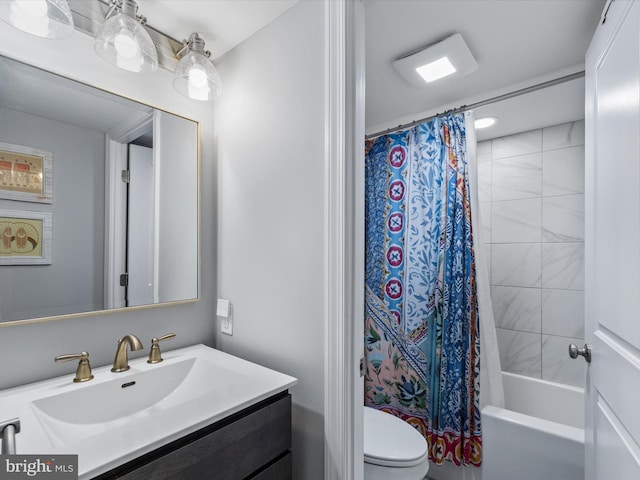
pixel 224 385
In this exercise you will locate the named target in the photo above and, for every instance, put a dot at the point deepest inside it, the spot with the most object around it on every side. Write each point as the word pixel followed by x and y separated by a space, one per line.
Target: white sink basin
pixel 119 416
pixel 119 397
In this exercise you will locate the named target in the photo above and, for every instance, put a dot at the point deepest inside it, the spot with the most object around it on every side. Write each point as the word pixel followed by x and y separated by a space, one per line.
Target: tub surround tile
pixel 483 151
pixel 516 265
pixel 532 213
pixel 557 366
pixel 520 352
pixel 517 177
pixel 563 313
pixel 517 308
pixel 484 181
pixel 516 221
pixel 562 136
pixel 485 222
pixel 563 218
pixel 486 258
pixel 563 266
pixel 563 171
pixel 519 144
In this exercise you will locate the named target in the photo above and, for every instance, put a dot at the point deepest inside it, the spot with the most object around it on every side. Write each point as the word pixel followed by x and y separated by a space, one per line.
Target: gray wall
pixel 531 191
pixel 270 143
pixel 74 282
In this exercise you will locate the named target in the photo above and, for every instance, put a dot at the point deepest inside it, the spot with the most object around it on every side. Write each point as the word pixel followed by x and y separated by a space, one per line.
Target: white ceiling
pixel 223 24
pixel 548 106
pixel 517 43
pixel 30 90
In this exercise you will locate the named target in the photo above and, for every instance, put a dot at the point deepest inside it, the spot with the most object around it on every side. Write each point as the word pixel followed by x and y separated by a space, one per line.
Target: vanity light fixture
pixel 450 57
pixel 123 41
pixel 42 18
pixel 196 77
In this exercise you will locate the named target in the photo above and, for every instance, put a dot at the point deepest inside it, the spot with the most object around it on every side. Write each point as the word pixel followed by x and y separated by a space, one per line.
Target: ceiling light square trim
pixel 453 48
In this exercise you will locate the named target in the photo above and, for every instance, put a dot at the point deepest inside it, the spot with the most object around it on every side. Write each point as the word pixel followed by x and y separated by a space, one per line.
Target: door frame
pixel 116 155
pixel 344 240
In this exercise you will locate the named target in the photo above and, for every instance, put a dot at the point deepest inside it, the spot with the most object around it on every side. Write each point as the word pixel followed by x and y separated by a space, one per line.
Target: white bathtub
pixel 540 435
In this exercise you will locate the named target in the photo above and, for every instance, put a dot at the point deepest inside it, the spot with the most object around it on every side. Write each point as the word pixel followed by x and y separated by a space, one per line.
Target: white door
pixel 613 245
pixel 140 226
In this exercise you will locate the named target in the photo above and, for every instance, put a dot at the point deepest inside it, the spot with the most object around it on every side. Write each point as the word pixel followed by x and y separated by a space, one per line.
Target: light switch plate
pixel 224 307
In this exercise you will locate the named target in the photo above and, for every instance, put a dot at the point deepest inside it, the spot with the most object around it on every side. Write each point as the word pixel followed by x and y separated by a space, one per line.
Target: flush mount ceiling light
pixel 485 122
pixel 196 77
pixel 123 41
pixel 449 57
pixel 436 70
pixel 43 18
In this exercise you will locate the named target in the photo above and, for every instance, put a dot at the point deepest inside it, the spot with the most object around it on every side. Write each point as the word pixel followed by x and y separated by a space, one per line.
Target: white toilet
pixel 393 449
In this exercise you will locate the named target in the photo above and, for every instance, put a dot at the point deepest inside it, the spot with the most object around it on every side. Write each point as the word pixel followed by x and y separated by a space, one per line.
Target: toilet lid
pixel 390 441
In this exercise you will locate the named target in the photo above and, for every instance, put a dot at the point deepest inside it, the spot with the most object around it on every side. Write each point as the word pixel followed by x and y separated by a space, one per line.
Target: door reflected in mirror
pixel 124 206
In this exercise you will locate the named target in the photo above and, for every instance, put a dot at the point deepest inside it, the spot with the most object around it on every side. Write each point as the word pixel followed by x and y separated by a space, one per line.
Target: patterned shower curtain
pixel 422 340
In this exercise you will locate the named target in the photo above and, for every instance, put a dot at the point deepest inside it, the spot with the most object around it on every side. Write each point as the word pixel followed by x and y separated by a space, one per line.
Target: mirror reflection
pixel 98 199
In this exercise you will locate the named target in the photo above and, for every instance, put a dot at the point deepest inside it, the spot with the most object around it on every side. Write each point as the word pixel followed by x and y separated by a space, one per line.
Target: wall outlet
pixel 226 326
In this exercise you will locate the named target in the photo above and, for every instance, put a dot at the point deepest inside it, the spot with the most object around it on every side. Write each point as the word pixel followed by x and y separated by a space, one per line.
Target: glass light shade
pixel 43 18
pixel 123 42
pixel 196 77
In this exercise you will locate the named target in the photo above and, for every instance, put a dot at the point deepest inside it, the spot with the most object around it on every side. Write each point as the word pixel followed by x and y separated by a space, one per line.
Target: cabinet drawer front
pixel 232 452
pixel 280 470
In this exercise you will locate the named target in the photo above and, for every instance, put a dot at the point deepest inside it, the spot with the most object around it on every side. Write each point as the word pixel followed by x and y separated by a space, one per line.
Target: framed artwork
pixel 26 173
pixel 25 237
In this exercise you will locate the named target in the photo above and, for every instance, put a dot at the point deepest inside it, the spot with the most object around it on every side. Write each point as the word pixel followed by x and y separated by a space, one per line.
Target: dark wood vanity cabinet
pixel 251 444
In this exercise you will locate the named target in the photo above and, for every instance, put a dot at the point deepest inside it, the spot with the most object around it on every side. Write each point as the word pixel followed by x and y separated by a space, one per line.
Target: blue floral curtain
pixel 422 340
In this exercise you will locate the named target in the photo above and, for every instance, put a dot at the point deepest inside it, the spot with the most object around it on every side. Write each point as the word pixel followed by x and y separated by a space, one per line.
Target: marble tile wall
pixel 531 189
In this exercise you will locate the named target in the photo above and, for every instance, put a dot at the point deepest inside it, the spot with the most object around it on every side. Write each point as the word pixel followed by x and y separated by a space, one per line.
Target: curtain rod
pixel 482 103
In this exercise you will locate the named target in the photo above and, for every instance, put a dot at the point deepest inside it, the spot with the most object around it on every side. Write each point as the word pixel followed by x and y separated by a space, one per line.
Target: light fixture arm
pixel 194 44
pixel 128 7
pixel 123 40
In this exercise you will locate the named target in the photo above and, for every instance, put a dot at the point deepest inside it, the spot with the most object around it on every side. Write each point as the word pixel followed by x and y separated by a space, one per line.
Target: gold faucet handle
pixel 83 372
pixel 154 352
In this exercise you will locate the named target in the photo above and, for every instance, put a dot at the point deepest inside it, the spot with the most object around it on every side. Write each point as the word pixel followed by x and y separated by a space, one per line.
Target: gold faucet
pixel 83 372
pixel 154 352
pixel 121 362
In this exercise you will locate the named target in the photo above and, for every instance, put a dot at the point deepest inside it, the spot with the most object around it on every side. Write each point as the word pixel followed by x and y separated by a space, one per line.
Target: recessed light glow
pixel 485 122
pixel 435 70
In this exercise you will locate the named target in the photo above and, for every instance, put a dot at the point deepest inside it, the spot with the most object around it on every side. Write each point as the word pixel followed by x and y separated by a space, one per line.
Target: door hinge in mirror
pixel 124 280
pixel 126 176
